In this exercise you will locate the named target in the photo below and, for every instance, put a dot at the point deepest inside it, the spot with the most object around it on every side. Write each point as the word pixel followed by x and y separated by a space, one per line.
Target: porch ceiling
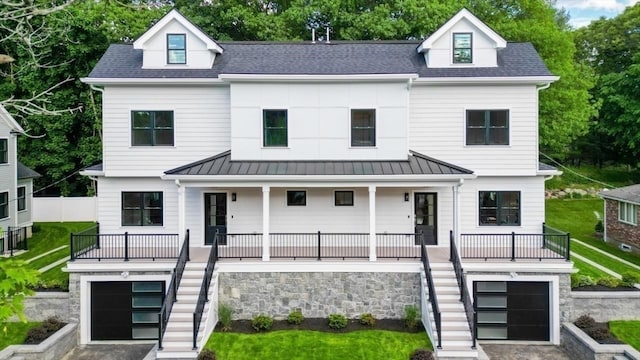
pixel 222 165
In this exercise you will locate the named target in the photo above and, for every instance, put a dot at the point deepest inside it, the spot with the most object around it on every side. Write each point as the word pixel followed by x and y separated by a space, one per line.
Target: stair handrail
pixel 433 299
pixel 203 297
pixel 465 297
pixel 172 293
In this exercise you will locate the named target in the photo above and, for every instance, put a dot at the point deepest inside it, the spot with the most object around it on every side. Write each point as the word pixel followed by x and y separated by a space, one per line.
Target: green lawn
pixel 310 345
pixel 16 333
pixel 627 331
pixel 586 269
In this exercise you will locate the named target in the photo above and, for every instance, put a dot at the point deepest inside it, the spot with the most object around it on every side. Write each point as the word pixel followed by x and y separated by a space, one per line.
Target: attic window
pixel 176 49
pixel 462 44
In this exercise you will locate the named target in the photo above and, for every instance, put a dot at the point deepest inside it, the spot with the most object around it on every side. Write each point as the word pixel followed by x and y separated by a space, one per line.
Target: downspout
pixel 456 208
pixel 93 87
pixel 181 210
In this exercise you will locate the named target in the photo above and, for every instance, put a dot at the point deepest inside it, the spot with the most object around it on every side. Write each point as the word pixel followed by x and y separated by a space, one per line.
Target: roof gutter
pixel 151 81
pixel 535 80
pixel 322 178
pixel 316 78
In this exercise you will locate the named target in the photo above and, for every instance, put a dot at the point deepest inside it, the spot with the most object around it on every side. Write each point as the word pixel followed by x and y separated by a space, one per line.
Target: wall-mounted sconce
pixel 406 196
pixel 233 196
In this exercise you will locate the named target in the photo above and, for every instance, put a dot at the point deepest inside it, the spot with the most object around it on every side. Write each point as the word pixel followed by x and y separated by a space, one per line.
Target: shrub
pixel 295 317
pixel 599 227
pixel 411 316
pixel 36 335
pixel 337 321
pixel 599 332
pixel 421 354
pixel 262 323
pixel 585 321
pixel 609 282
pixel 367 319
pixel 207 354
pixel 578 280
pixel 630 278
pixel 225 314
pixel 52 324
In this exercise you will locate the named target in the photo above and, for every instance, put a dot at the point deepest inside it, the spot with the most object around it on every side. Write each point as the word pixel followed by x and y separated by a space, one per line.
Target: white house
pixel 342 156
pixel 16 188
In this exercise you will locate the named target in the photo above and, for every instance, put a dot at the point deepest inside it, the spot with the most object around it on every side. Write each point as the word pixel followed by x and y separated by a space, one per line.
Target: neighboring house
pixel 339 152
pixel 621 208
pixel 16 187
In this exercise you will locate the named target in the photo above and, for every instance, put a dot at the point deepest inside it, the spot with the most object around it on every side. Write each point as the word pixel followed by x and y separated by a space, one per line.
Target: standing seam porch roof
pixel 221 165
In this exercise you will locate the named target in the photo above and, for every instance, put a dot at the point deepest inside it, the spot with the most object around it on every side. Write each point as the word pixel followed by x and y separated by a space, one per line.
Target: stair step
pixel 456 343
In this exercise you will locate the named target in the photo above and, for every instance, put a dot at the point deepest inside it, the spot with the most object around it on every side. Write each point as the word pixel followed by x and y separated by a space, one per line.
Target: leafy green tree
pixel 15 279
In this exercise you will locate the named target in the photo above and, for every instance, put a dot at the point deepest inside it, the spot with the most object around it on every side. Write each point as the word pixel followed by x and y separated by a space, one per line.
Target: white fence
pixel 65 209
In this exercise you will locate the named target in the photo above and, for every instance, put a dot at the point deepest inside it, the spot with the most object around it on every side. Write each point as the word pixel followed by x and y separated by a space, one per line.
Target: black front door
pixel 215 217
pixel 426 218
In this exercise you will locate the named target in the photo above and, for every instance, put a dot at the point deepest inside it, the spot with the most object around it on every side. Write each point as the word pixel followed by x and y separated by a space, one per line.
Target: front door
pixel 215 217
pixel 426 219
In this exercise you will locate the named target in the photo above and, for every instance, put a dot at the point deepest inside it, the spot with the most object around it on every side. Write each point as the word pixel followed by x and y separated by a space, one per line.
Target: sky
pixel 583 11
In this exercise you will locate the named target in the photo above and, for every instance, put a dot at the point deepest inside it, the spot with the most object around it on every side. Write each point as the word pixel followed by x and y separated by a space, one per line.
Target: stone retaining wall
pixel 47 304
pixel 52 348
pixel 580 346
pixel 384 295
pixel 604 306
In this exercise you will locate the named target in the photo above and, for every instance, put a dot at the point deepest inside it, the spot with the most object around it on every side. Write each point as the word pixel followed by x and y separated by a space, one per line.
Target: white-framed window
pixel 4 205
pixel 296 198
pixel 462 48
pixel 22 198
pixel 176 49
pixel 628 213
pixel 142 208
pixel 487 127
pixel 4 151
pixel 363 127
pixel 499 208
pixel 151 128
pixel 343 198
pixel 275 128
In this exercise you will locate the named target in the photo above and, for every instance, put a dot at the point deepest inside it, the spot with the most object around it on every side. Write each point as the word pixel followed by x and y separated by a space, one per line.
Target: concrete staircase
pixel 456 336
pixel 178 337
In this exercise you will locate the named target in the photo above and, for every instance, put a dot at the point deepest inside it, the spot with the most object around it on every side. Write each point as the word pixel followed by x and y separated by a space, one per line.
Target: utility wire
pixel 576 173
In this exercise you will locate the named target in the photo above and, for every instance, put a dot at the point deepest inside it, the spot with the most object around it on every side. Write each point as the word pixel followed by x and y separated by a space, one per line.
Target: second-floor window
pixel 462 45
pixel 487 127
pixel 4 205
pixel 142 208
pixel 4 151
pixel 363 127
pixel 499 207
pixel 628 213
pixel 22 198
pixel 176 49
pixel 274 128
pixel 152 128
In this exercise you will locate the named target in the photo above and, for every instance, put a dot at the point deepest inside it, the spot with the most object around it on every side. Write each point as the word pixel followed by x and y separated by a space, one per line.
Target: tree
pixel 15 279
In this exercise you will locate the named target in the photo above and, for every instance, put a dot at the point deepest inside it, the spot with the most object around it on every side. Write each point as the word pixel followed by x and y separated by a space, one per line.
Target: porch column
pixel 265 223
pixel 181 210
pixel 456 208
pixel 372 223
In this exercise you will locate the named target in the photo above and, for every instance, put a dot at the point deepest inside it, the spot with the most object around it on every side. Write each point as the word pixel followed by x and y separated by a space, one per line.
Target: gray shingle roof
pixel 416 164
pixel 546 167
pixel 26 173
pixel 304 58
pixel 96 167
pixel 628 193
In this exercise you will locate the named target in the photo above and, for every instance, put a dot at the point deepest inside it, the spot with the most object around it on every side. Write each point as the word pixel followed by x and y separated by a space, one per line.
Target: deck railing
pixel 515 246
pixel 203 297
pixel 433 299
pixel 465 297
pixel 15 239
pixel 398 246
pixel 557 241
pixel 319 245
pixel 124 246
pixel 240 246
pixel 172 291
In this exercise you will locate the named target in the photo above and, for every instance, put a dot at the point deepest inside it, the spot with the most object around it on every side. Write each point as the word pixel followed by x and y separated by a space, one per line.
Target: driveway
pixel 524 352
pixel 109 352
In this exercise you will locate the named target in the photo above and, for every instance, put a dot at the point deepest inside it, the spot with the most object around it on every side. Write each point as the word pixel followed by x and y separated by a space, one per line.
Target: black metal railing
pixel 514 246
pixel 319 245
pixel 203 297
pixel 433 299
pixel 465 297
pixel 240 246
pixel 14 238
pixel 557 241
pixel 398 246
pixel 172 291
pixel 125 246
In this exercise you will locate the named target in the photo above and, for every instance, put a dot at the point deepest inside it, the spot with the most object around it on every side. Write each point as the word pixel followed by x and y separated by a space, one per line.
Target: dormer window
pixel 176 49
pixel 462 44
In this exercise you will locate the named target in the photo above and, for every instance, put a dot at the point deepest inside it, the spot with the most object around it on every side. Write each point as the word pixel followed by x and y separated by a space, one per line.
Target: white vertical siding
pixel 201 127
pixel 438 120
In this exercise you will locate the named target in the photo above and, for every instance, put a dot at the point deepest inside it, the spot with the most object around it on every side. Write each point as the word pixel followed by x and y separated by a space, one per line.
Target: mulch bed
pixel 610 340
pixel 322 324
pixel 604 288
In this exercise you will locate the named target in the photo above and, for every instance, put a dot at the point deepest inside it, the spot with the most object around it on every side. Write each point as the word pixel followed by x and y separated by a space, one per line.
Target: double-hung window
pixel 22 198
pixel 152 128
pixel 4 151
pixel 142 209
pixel 487 127
pixel 363 127
pixel 499 208
pixel 4 205
pixel 462 48
pixel 176 49
pixel 628 213
pixel 274 128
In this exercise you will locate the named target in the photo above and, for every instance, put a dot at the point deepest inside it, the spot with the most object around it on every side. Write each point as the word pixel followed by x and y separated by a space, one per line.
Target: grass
pixel 627 331
pixel 613 175
pixel 601 259
pixel 16 333
pixel 310 345
pixel 586 269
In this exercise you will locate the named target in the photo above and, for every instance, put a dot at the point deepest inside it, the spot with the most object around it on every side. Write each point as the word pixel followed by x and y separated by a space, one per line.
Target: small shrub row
pixel 597 331
pixel 39 333
pixel 295 317
pixel 262 323
pixel 629 279
pixel 338 321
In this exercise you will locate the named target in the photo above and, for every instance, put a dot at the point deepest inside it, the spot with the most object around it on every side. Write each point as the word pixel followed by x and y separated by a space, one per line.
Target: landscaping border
pixel 54 347
pixel 604 306
pixel 581 346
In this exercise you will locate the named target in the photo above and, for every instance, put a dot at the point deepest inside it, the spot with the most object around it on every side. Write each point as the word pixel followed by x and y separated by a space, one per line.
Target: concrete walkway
pixel 524 352
pixel 109 352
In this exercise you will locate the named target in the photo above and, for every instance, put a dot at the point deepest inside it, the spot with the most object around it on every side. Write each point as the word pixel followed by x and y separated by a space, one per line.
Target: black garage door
pixel 125 310
pixel 512 310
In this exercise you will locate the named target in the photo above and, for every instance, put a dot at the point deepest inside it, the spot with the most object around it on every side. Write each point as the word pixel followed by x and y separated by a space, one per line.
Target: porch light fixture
pixel 406 196
pixel 233 196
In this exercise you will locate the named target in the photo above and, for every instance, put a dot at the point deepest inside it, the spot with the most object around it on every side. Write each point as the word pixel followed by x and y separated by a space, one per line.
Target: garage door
pixel 125 310
pixel 512 310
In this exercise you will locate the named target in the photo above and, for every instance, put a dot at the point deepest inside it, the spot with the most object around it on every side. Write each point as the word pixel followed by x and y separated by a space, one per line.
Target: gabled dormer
pixel 175 42
pixel 463 41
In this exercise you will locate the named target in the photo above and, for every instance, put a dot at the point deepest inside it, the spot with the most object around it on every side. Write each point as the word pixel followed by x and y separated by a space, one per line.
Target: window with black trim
pixel 363 127
pixel 142 208
pixel 152 128
pixel 22 198
pixel 343 198
pixel 296 198
pixel 462 48
pixel 176 49
pixel 499 208
pixel 487 127
pixel 4 205
pixel 628 213
pixel 274 128
pixel 4 151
